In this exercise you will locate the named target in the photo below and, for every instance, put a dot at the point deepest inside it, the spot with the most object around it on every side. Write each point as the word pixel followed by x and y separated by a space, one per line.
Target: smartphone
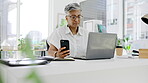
pixel 64 43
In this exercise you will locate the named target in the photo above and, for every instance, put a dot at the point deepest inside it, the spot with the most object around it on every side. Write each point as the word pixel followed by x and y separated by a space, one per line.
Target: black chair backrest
pixel 47 45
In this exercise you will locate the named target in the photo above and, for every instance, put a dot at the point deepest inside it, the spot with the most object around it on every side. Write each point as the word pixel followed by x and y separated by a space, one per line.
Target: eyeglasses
pixel 74 17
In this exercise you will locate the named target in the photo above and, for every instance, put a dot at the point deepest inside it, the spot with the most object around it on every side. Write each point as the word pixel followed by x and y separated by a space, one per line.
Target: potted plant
pixel 127 46
pixel 21 46
pixel 119 47
pixel 21 43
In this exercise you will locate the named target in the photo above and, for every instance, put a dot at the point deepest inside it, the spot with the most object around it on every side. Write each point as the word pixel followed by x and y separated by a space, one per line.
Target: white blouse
pixel 78 42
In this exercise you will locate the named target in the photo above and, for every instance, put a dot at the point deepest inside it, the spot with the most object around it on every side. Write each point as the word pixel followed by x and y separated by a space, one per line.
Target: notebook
pixel 15 62
pixel 100 46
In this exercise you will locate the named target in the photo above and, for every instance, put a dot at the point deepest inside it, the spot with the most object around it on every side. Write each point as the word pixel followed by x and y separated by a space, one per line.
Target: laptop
pixel 100 46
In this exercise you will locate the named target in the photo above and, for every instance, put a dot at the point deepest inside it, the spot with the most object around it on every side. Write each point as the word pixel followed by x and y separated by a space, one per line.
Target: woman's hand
pixel 62 54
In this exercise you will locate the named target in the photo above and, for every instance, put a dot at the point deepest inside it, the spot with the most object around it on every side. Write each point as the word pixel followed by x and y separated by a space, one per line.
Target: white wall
pixel 59 6
pixel 55 7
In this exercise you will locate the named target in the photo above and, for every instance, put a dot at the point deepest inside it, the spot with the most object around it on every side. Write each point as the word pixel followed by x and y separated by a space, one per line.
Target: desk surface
pixel 82 68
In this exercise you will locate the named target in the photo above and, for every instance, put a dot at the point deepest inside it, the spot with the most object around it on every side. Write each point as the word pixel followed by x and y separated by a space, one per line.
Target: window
pixel 34 19
pixel 134 27
pixel 124 18
pixel 21 17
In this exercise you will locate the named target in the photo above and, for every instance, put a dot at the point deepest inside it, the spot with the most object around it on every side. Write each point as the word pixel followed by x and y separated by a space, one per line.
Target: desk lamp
pixel 145 18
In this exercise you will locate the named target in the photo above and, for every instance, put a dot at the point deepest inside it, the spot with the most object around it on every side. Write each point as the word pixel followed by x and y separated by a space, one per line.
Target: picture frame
pixel 61 20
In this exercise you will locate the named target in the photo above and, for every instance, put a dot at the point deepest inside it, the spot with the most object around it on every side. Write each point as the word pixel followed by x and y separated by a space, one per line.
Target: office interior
pixel 19 18
pixel 39 18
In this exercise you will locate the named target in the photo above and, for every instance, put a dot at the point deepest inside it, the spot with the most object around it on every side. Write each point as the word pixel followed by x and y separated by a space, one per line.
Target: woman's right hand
pixel 62 54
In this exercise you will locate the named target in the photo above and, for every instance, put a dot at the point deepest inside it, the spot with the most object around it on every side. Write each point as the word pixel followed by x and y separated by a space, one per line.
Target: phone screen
pixel 64 43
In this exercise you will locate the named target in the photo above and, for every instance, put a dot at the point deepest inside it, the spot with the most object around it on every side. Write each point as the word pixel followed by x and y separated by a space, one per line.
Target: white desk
pixel 79 71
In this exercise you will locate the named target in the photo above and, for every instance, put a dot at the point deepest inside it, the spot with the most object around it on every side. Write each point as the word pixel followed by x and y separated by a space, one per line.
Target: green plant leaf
pixel 124 40
pixel 127 38
pixel 128 47
pixel 21 43
pixel 118 42
pixel 27 49
pixel 1 79
pixel 33 76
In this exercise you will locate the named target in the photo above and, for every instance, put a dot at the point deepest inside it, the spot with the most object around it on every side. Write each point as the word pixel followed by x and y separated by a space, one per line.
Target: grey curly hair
pixel 72 6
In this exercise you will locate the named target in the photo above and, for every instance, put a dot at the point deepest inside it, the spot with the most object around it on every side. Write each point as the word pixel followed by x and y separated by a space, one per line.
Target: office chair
pixel 47 45
pixel 43 53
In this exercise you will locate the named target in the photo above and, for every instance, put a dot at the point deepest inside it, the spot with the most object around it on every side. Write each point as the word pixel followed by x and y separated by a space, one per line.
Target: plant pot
pixel 119 50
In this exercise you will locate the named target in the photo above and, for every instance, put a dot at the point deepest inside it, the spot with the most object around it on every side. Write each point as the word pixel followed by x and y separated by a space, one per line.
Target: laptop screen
pixel 101 45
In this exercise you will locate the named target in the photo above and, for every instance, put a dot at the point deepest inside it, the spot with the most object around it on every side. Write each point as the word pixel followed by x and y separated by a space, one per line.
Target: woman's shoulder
pixel 57 32
pixel 60 29
pixel 84 30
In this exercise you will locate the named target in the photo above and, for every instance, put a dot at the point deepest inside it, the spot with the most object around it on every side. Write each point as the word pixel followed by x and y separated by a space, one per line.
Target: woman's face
pixel 73 18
